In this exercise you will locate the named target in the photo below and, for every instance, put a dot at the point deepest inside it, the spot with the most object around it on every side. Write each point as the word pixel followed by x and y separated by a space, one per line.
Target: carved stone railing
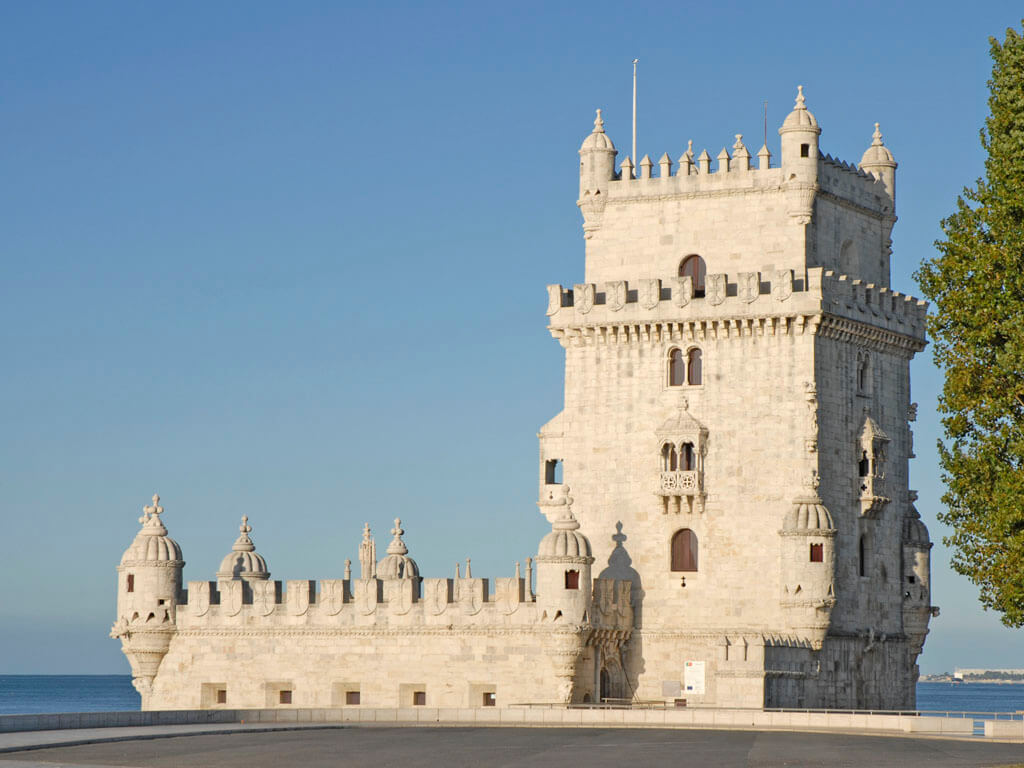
pixel 680 483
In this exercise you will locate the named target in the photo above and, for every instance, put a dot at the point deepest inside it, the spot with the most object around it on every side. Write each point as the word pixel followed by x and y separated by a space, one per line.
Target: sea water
pixel 38 694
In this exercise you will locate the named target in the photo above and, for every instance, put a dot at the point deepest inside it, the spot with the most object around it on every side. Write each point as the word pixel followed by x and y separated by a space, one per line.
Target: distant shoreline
pixel 958 681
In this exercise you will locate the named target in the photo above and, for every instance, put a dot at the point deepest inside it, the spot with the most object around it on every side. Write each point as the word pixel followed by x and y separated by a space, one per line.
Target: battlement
pixel 732 304
pixel 385 602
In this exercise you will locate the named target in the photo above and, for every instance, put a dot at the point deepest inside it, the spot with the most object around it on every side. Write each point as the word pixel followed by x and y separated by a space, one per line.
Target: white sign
pixel 693 677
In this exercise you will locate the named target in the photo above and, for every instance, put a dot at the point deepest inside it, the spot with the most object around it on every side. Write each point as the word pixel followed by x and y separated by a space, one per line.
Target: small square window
pixel 284 697
pixel 572 579
pixel 222 696
pixel 910 579
pixel 419 698
pixel 805 150
pixel 352 698
pixel 489 699
pixel 817 553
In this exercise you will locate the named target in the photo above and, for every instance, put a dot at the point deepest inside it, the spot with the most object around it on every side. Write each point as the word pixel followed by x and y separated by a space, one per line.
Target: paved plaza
pixel 534 747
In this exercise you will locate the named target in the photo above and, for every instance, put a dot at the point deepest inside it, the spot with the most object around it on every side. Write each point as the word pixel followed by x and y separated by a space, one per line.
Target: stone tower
pixel 736 421
pixel 148 594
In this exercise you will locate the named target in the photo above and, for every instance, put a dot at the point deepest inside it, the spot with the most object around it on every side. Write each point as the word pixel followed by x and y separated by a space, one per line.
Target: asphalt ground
pixel 534 747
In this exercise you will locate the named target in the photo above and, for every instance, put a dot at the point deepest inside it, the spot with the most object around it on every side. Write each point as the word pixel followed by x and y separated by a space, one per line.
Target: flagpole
pixel 634 110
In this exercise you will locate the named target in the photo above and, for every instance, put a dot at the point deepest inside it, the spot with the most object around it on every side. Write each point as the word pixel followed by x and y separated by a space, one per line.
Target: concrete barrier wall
pixel 533 716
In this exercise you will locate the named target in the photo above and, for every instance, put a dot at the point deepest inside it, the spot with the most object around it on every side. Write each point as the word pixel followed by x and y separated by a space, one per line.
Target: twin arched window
pixel 681 460
pixel 694 267
pixel 685 368
pixel 684 550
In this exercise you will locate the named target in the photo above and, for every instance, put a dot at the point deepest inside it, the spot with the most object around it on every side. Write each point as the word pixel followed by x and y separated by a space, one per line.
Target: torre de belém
pixel 727 484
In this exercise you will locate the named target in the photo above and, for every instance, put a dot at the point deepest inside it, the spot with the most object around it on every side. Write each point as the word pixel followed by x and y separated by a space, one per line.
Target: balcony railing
pixel 680 483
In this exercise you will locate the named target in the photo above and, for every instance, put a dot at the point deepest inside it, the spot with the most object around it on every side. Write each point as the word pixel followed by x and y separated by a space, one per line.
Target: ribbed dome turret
pixel 565 539
pixel 242 562
pixel 915 532
pixel 397 564
pixel 152 544
pixel 598 139
pixel 808 513
pixel 877 154
pixel 800 119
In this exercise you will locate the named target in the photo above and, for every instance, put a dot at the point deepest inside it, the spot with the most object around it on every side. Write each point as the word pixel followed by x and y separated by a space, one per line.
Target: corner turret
pixel 917 593
pixel 800 132
pixel 148 593
pixel 597 169
pixel 564 559
pixel 879 162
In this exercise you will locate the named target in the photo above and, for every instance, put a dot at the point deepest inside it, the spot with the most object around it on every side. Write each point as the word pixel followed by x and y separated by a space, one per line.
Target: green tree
pixel 976 282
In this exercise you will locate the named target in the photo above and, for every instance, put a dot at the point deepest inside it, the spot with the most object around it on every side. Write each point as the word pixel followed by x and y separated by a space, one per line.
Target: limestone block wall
pixel 451 643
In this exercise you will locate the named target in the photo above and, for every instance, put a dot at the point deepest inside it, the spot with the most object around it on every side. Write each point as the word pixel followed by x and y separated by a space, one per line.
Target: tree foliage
pixel 976 283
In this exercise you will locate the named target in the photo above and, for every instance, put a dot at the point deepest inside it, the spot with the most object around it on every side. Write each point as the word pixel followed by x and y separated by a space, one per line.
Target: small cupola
pixel 152 544
pixel 800 132
pixel 565 540
pixel 243 562
pixel 597 140
pixel 397 564
pixel 879 162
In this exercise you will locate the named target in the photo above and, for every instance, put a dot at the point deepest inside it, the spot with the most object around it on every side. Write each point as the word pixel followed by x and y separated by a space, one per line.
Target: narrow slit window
pixel 862 557
pixel 131 583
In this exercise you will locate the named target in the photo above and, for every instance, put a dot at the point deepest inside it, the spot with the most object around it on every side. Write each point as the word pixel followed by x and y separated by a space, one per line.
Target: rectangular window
pixel 131 582
pixel 222 695
pixel 553 472
pixel 284 697
pixel 419 698
pixel 817 553
pixel 572 579
pixel 489 699
pixel 352 698
pixel 805 150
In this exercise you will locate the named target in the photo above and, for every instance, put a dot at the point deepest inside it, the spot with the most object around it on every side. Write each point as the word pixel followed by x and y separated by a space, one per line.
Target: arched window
pixel 676 368
pixel 864 465
pixel 686 461
pixel 693 265
pixel 684 550
pixel 669 459
pixel 694 374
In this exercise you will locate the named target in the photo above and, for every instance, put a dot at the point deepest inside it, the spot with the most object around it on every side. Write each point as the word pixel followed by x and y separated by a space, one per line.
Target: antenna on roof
pixel 766 124
pixel 634 108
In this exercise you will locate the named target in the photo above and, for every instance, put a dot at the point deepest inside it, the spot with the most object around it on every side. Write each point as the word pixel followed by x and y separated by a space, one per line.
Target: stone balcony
pixel 680 483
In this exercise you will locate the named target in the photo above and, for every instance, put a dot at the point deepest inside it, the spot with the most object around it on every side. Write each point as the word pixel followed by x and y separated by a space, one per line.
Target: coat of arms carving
pixel 748 286
pixel 364 593
pixel 554 299
pixel 230 597
pixel 583 297
pixel 264 597
pixel 649 293
pixel 199 597
pixel 714 289
pixel 506 595
pixel 399 595
pixel 436 594
pixel 615 295
pixel 332 596
pixel 782 285
pixel 298 597
pixel 683 291
pixel 470 596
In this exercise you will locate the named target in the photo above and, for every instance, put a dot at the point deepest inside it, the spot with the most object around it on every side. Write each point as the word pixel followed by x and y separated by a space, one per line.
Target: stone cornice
pixel 453 631
pixel 871 336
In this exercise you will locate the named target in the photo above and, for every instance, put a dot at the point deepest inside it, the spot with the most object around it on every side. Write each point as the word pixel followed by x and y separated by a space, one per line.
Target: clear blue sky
pixel 289 260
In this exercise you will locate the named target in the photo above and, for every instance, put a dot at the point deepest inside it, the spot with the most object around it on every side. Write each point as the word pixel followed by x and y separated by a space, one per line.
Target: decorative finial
pixel 156 509
pixel 598 123
pixel 397 546
pixel 469 569
pixel 348 569
pixel 800 101
pixel 618 537
pixel 397 530
pixel 519 574
pixel 458 573
pixel 245 528
pixel 689 147
pixel 876 137
pixel 366 532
